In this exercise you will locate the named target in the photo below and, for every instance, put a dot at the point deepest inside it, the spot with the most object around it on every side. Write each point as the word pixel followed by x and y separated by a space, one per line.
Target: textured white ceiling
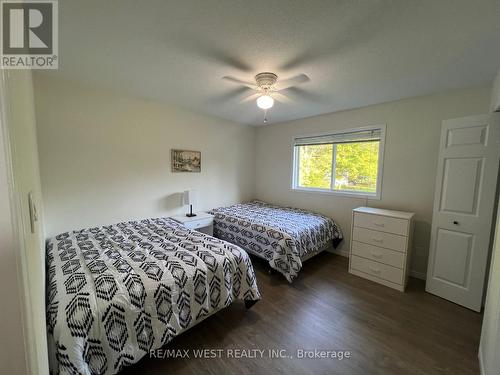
pixel 356 52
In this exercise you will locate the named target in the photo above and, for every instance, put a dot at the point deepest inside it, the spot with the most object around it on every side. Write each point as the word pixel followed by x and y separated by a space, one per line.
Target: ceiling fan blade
pixel 239 81
pixel 250 98
pixel 297 80
pixel 300 93
pixel 281 97
pixel 228 96
pixel 206 48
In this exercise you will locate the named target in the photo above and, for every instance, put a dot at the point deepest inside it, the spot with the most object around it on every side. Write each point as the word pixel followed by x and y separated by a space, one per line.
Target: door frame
pixel 13 224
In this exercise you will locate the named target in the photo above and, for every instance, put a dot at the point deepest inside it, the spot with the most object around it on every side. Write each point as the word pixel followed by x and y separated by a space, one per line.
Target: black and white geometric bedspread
pixel 117 291
pixel 281 235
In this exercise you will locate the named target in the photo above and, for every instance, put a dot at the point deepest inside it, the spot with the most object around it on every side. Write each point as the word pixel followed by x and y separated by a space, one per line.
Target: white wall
pixel 489 348
pixel 105 157
pixel 411 151
pixel 26 247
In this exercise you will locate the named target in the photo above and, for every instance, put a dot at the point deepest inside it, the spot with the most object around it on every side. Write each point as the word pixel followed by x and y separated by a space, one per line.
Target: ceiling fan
pixel 268 87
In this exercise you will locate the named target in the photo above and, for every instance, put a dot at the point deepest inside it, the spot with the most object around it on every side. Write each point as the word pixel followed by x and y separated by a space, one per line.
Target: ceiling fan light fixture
pixel 265 102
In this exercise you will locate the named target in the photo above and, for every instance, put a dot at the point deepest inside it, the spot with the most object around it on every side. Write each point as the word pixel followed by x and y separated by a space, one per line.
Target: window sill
pixel 341 193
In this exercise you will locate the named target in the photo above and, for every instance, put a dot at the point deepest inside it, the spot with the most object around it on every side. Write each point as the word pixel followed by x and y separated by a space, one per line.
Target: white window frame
pixel 295 163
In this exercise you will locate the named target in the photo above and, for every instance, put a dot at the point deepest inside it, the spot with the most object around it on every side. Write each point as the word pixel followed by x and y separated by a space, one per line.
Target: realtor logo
pixel 29 34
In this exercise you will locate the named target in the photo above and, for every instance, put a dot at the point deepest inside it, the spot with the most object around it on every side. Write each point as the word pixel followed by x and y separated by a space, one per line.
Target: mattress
pixel 284 236
pixel 116 292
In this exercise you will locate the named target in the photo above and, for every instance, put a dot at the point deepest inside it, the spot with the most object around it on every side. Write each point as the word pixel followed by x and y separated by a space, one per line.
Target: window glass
pixel 344 162
pixel 315 166
pixel 356 166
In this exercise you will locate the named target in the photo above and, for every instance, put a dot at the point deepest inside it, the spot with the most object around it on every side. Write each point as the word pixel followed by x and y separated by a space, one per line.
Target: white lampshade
pixel 190 196
pixel 265 102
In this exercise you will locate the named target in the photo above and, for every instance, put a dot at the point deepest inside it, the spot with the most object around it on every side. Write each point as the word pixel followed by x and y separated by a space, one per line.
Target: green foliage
pixel 315 170
pixel 356 166
pixel 355 170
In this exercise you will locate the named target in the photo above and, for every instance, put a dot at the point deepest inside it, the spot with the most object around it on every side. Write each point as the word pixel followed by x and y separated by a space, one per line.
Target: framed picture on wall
pixel 185 161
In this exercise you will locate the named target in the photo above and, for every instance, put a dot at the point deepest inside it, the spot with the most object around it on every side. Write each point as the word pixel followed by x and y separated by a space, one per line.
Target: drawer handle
pixel 379 240
pixel 376 255
pixel 379 224
pixel 374 270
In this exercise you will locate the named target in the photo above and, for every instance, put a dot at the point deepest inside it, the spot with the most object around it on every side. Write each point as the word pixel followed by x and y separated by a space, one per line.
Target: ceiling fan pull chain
pixel 265 116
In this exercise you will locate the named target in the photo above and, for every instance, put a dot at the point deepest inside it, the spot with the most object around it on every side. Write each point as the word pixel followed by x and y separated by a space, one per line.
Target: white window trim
pixel 377 195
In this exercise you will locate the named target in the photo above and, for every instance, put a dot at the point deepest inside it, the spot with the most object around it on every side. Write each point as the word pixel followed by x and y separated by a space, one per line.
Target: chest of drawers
pixel 381 245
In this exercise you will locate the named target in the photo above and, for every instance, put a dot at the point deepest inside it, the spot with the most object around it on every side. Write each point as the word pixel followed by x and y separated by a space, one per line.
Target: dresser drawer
pixel 379 254
pixel 381 239
pixel 383 271
pixel 381 223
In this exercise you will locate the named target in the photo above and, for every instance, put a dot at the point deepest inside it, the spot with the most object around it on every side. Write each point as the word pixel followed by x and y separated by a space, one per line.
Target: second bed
pixel 284 236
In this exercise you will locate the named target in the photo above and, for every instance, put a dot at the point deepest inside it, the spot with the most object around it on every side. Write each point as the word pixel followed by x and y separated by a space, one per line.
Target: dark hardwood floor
pixel 326 308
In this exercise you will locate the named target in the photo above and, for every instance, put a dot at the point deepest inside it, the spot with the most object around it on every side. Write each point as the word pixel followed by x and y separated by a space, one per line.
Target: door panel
pixel 467 136
pixel 462 177
pixel 463 208
pixel 453 253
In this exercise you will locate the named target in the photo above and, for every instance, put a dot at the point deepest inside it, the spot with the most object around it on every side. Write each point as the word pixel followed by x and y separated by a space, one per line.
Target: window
pixel 349 162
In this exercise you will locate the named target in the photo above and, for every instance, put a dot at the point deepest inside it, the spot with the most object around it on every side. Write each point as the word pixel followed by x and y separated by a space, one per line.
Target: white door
pixel 466 183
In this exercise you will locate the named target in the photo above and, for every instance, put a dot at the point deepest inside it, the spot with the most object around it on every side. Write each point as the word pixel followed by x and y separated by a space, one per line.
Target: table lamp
pixel 190 198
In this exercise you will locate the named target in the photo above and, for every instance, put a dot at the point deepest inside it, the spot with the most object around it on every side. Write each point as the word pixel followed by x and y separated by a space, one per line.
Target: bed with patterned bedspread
pixel 116 292
pixel 284 236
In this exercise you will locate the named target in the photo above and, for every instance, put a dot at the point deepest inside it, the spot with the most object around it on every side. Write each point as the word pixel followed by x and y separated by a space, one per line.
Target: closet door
pixel 463 208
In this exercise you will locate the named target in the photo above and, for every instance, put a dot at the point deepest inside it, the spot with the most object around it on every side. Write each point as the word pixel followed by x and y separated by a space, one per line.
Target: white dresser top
pixel 184 219
pixel 383 212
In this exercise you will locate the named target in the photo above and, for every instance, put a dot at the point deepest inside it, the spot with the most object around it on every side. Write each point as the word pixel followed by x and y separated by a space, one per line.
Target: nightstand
pixel 202 222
